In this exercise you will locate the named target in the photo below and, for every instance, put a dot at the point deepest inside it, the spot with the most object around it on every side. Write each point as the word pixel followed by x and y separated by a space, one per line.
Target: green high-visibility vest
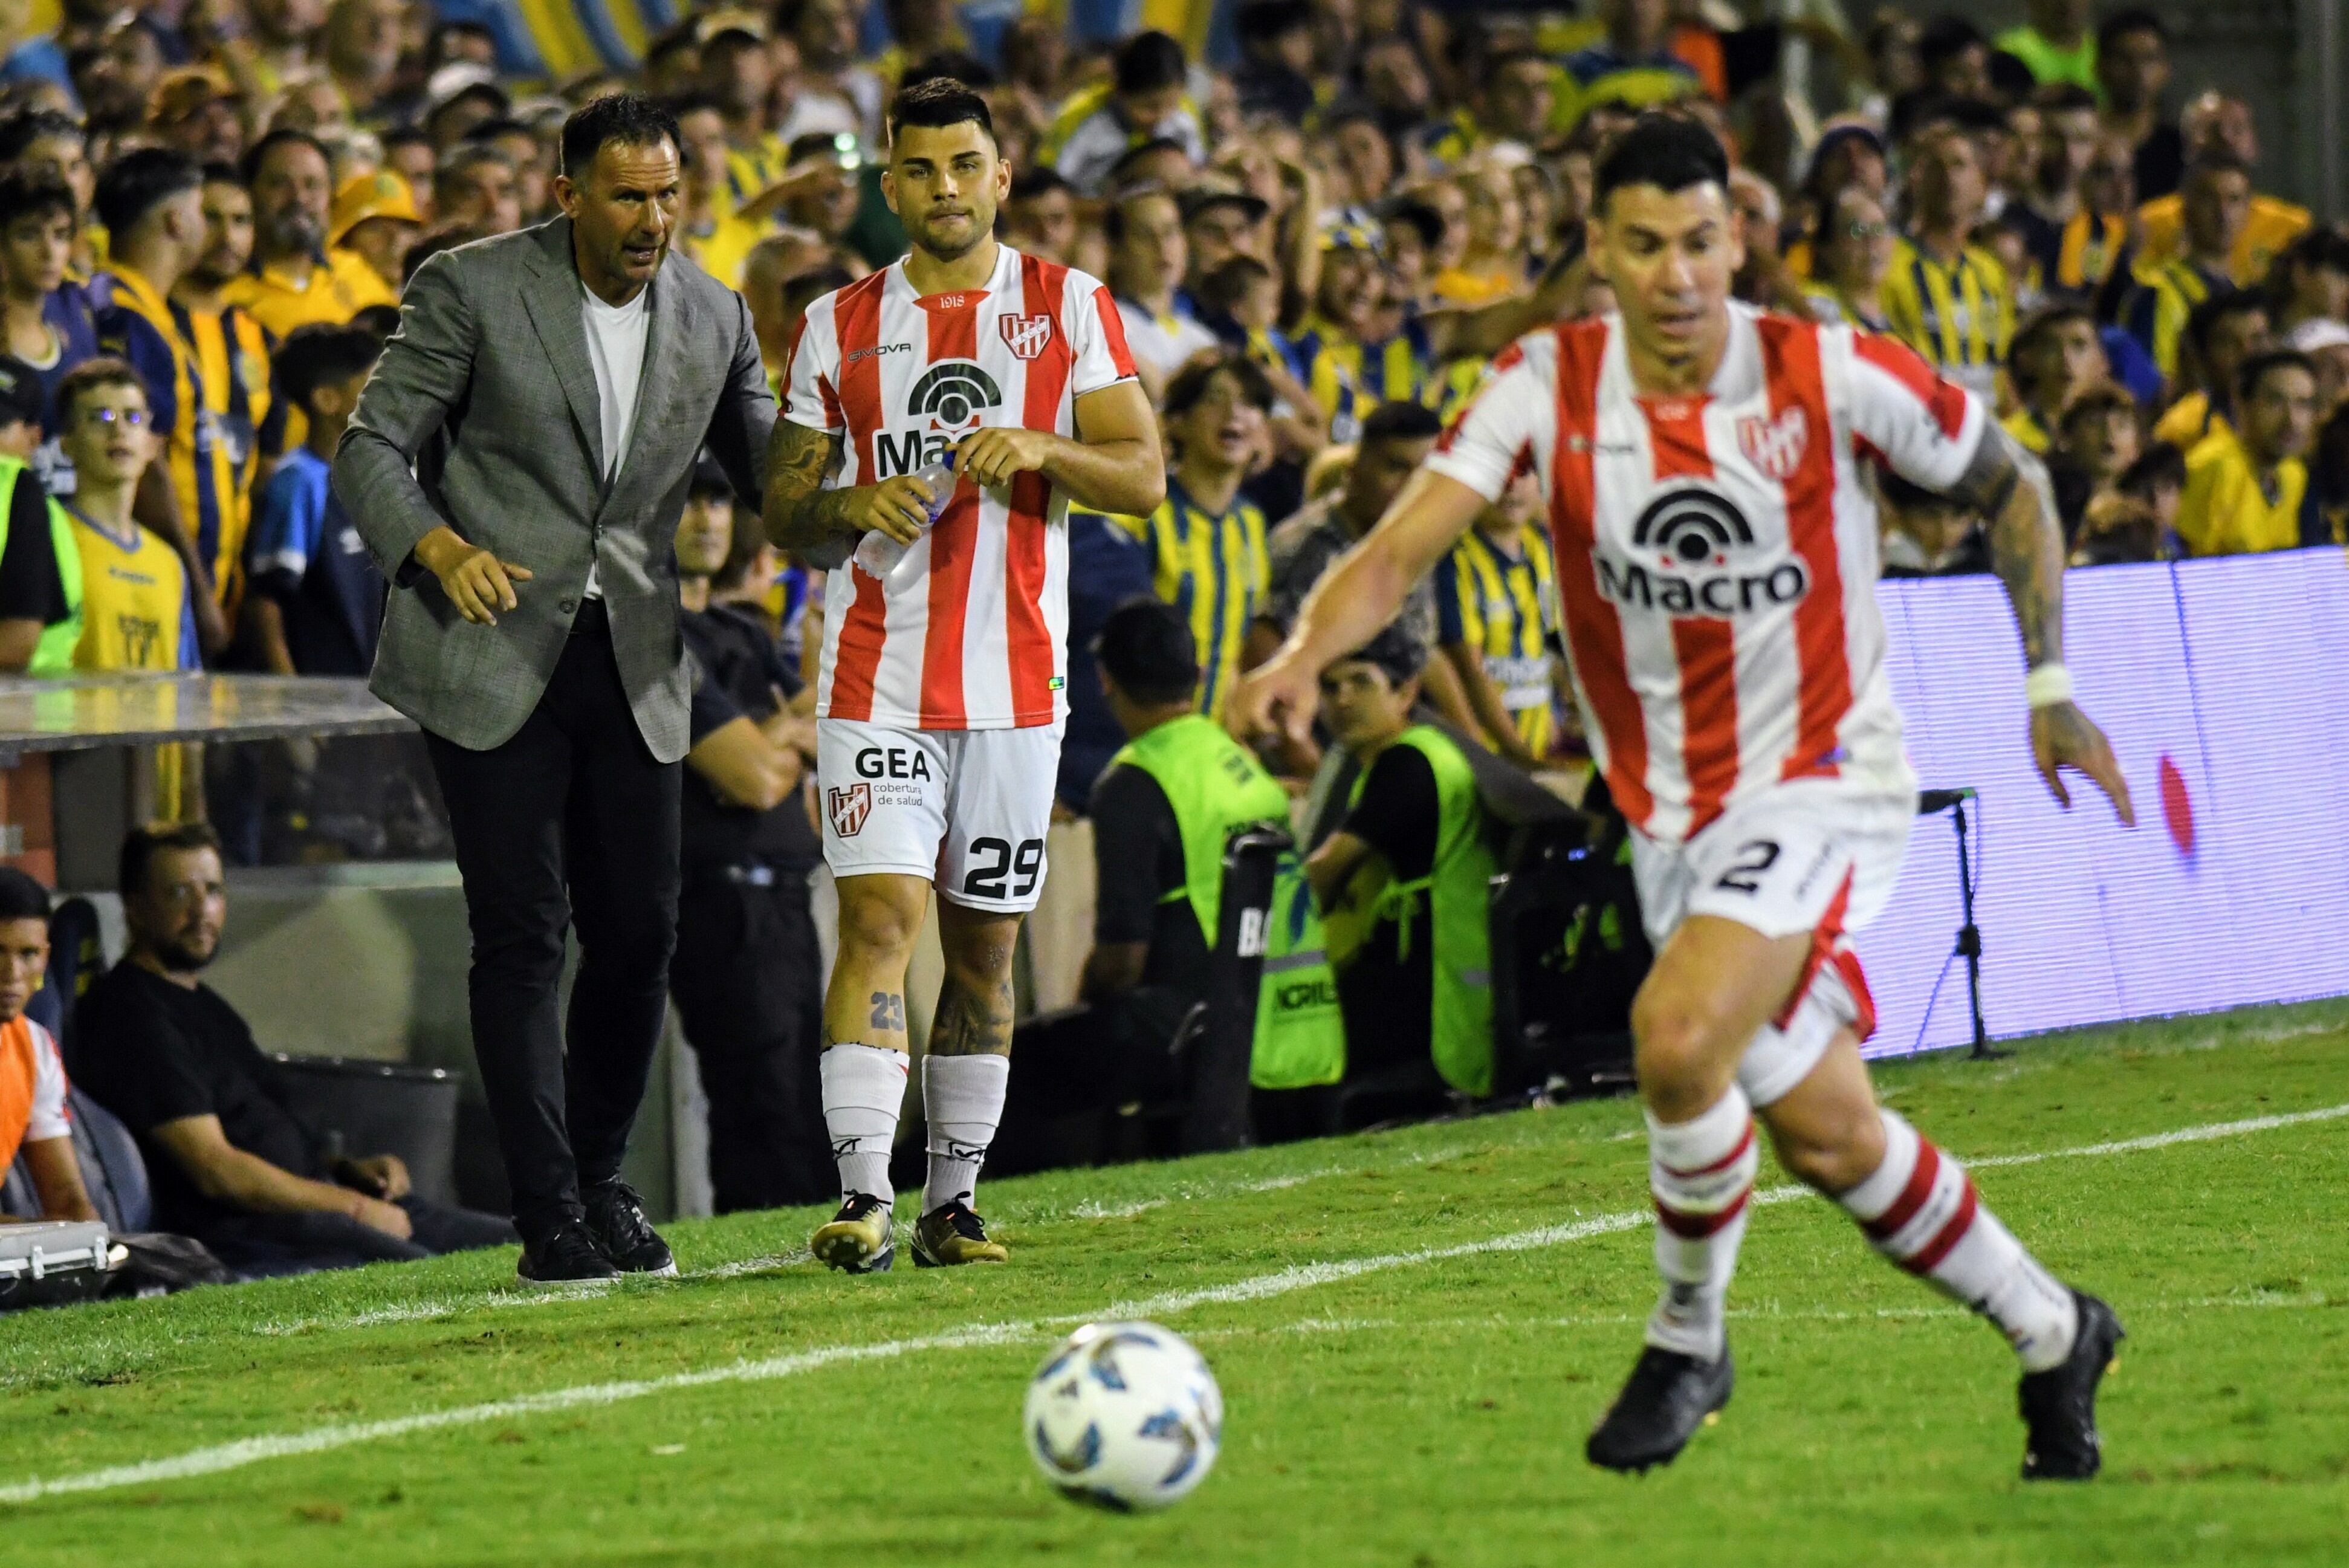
pixel 54 654
pixel 1457 894
pixel 1216 787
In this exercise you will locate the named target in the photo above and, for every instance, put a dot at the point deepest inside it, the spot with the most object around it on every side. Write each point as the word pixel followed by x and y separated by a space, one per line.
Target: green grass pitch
pixel 1401 1390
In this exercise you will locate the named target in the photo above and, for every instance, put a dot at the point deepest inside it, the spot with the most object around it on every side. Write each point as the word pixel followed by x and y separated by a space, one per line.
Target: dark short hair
pixel 1947 35
pixel 939 102
pixel 1113 217
pixel 1189 384
pixel 1148 62
pixel 1401 420
pixel 21 897
pixel 1149 146
pixel 1230 280
pixel 405 134
pixel 707 480
pixel 2266 362
pixel 491 129
pixel 2127 20
pixel 249 166
pixel 322 355
pixel 2204 318
pixel 2104 398
pixel 1037 179
pixel 1397 654
pixel 141 844
pixel 33 193
pixel 105 370
pixel 27 125
pixel 2041 321
pixel 631 120
pixel 1146 646
pixel 1665 150
pixel 141 180
pixel 2159 464
pixel 463 156
pixel 382 320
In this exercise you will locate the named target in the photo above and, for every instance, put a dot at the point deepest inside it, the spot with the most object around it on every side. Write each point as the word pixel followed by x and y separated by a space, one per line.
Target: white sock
pixel 864 1089
pixel 962 1099
pixel 1920 1210
pixel 1701 1173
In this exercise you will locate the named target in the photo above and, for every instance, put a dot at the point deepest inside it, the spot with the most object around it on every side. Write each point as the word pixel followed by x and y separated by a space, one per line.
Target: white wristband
pixel 2047 685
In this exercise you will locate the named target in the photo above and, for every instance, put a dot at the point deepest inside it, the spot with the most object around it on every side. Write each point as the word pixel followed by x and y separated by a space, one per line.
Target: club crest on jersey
pixel 1025 336
pixel 1775 446
pixel 849 808
pixel 1684 561
pixel 948 401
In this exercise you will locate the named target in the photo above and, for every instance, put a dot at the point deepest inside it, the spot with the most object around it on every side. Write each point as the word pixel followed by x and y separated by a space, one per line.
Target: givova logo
pixel 948 400
pixel 1693 535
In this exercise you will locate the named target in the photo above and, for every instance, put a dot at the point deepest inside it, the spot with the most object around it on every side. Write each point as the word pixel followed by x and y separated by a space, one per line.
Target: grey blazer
pixel 482 414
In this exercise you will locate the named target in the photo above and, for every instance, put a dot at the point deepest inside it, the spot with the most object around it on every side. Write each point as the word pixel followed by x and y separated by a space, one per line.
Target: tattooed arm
pixel 806 519
pixel 2009 487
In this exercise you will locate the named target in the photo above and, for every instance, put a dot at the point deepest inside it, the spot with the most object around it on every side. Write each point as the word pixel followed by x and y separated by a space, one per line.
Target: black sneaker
pixel 2059 1404
pixel 1668 1397
pixel 859 1239
pixel 616 1216
pixel 566 1255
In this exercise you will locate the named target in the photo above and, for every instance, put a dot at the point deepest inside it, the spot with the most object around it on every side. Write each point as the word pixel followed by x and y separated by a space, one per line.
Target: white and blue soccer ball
pixel 1124 1416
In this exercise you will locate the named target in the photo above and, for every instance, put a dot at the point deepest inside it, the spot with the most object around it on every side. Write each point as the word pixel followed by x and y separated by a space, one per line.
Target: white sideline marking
pixel 253 1450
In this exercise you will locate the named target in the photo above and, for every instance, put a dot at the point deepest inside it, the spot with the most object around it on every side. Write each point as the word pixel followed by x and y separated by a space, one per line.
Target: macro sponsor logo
pixel 1695 536
pixel 947 402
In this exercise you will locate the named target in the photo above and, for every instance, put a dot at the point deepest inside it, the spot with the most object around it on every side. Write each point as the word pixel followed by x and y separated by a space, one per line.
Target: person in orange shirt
pixel 33 1116
pixel 2217 124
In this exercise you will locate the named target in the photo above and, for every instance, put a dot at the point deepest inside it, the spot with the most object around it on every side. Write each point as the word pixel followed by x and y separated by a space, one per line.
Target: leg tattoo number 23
pixel 888 1011
pixel 987 880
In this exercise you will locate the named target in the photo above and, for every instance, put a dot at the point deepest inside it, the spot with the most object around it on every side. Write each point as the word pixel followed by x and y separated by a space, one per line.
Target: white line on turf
pixel 319 1439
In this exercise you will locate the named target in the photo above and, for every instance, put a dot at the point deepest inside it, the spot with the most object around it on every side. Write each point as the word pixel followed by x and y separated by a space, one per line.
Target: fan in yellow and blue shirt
pixel 137 323
pixel 1495 597
pixel 136 609
pixel 2158 308
pixel 1213 567
pixel 233 364
pixel 1958 315
pixel 1603 73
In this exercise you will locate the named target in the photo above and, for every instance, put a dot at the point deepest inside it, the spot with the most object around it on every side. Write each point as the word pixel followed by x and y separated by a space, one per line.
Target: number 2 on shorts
pixel 1753 857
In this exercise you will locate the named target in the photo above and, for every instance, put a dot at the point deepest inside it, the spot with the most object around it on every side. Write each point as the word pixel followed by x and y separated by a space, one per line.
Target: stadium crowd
pixel 1320 219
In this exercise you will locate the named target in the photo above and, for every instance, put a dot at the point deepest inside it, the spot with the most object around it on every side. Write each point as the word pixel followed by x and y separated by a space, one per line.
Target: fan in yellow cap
pixel 375 218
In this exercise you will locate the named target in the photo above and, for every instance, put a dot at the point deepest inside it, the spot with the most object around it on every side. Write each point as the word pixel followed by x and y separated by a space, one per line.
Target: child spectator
pixel 44 318
pixel 136 609
pixel 316 603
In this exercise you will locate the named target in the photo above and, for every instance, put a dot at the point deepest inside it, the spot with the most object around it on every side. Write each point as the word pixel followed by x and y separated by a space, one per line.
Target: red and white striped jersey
pixel 973 633
pixel 1717 554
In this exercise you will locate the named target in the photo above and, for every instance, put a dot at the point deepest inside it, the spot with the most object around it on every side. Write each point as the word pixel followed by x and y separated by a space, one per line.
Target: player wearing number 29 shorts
pixel 939 702
pixel 1714 530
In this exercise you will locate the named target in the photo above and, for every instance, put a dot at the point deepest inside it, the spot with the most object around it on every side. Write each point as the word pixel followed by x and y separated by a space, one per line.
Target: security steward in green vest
pixel 1405 882
pixel 40 565
pixel 1163 812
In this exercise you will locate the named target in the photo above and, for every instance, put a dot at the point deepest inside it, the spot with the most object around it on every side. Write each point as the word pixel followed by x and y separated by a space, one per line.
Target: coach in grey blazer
pixel 517 465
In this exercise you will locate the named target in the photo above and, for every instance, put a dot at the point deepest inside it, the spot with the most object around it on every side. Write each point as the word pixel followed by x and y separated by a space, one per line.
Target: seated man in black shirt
pixel 747 977
pixel 230 1162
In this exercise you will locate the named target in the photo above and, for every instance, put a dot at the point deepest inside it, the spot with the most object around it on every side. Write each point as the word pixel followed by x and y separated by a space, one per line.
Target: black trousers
pixel 266 1246
pixel 572 822
pixel 749 984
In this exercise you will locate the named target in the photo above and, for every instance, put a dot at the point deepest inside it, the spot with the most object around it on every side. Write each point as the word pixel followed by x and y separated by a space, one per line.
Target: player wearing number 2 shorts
pixel 938 704
pixel 1715 540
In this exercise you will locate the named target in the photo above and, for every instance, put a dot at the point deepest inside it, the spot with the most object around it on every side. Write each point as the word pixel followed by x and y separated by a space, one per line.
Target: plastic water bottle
pixel 881 555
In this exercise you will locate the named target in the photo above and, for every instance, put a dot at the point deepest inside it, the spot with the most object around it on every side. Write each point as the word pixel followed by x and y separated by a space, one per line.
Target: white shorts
pixel 964 809
pixel 1819 855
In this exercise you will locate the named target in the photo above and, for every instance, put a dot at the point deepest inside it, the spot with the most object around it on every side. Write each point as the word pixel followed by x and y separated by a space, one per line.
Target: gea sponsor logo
pixel 892 762
pixel 1693 535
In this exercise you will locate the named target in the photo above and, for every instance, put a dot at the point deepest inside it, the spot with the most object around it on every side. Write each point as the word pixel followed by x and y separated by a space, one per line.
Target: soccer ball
pixel 1124 1416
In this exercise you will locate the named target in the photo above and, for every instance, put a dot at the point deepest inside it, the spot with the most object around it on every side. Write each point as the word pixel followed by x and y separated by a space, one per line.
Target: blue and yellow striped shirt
pixel 1499 601
pixel 1213 567
pixel 1959 317
pixel 233 362
pixel 137 324
pixel 1349 377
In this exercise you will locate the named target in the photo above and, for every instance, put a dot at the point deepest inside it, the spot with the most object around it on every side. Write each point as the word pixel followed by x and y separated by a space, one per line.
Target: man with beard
pixel 232 357
pixel 230 1163
pixel 294 280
